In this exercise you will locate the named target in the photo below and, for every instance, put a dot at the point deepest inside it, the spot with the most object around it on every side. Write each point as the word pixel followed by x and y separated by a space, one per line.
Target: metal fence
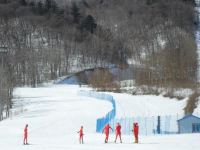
pixel 147 125
pixel 151 125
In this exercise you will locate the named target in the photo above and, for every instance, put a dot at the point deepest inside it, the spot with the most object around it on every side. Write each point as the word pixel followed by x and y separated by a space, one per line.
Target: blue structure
pixel 72 79
pixel 101 122
pixel 189 124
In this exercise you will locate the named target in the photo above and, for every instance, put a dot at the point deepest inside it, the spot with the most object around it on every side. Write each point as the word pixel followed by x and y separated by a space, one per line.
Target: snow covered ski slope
pixel 55 113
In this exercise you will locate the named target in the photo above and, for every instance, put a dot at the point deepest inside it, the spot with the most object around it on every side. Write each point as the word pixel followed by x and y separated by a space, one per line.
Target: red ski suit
pixel 106 131
pixel 118 132
pixel 81 135
pixel 136 130
pixel 26 134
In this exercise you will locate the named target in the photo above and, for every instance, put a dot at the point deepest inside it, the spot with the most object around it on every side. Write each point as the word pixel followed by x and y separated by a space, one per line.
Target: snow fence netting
pixel 101 122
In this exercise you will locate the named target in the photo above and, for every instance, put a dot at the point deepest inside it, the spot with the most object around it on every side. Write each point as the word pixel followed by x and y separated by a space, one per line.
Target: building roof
pixel 187 116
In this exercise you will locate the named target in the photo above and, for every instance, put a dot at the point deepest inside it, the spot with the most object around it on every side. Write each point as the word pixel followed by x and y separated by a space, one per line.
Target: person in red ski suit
pixel 106 131
pixel 136 131
pixel 81 135
pixel 26 134
pixel 118 132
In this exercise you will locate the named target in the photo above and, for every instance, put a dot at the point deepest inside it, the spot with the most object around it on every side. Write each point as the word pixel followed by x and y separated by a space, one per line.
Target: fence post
pixel 158 126
pixel 145 120
pixel 153 118
pixel 129 123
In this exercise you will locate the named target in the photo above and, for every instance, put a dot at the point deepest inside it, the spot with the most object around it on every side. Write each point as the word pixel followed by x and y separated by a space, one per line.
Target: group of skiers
pixel 106 130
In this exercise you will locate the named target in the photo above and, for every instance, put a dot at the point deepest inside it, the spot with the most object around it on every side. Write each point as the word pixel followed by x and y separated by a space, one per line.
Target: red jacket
pixel 80 132
pixel 136 129
pixel 25 131
pixel 106 129
pixel 118 129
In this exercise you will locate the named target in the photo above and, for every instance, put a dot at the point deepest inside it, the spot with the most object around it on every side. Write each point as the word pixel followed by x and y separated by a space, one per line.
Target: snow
pixel 147 105
pixel 54 104
pixel 55 113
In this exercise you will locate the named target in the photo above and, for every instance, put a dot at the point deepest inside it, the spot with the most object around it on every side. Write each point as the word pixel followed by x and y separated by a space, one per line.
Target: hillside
pixel 71 63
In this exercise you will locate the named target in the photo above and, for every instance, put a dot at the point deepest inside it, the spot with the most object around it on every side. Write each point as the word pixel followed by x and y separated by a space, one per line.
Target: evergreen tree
pixel 23 2
pixel 60 12
pixel 54 6
pixel 85 4
pixel 89 24
pixel 75 13
pixel 190 1
pixel 32 5
pixel 150 2
pixel 3 1
pixel 40 8
pixel 48 5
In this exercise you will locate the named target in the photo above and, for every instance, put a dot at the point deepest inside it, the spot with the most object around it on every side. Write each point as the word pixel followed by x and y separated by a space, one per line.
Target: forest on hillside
pixel 43 40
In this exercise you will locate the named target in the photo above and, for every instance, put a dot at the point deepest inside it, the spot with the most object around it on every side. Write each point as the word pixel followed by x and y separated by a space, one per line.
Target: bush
pixel 102 79
pixel 192 103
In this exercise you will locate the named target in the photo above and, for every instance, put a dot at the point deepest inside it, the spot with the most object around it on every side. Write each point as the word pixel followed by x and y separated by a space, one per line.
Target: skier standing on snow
pixel 106 131
pixel 135 131
pixel 118 132
pixel 81 135
pixel 26 134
